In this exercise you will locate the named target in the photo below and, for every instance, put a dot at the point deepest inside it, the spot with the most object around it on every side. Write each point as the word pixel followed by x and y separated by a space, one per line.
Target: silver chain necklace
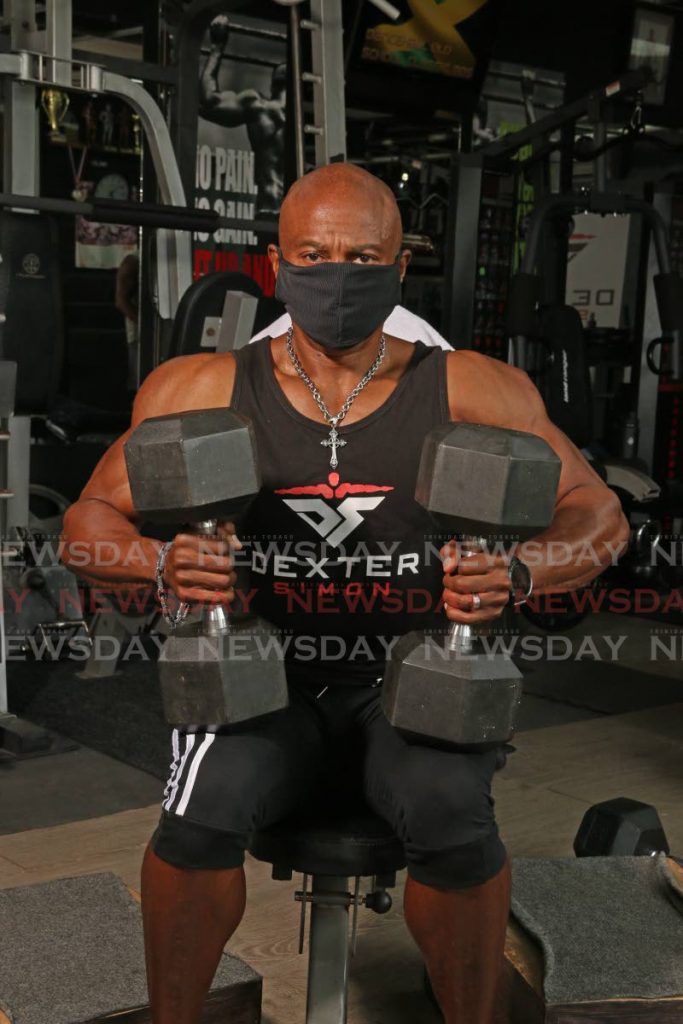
pixel 334 441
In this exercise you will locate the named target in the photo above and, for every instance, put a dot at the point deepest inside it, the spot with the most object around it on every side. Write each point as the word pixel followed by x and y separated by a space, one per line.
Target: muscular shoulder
pixel 485 390
pixel 250 99
pixel 201 381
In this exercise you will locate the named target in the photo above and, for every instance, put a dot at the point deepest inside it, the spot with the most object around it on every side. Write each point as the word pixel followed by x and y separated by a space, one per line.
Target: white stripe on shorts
pixel 192 774
pixel 174 764
pixel 189 744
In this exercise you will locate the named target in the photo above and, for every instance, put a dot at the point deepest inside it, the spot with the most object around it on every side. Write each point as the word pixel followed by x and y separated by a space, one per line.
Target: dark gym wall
pixel 586 39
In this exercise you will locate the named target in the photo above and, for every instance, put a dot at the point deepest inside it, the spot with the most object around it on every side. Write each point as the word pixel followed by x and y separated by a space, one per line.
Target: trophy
pixel 55 104
pixel 137 133
pixel 82 190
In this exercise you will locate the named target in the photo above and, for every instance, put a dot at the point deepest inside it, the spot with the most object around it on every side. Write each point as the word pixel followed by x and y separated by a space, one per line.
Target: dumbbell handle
pixel 462 636
pixel 215 621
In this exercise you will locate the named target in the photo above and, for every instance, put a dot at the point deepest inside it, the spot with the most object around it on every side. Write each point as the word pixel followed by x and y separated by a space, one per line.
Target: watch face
pixel 112 186
pixel 520 575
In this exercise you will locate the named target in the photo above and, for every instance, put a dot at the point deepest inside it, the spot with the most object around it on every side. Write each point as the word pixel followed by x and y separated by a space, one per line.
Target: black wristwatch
pixel 520 578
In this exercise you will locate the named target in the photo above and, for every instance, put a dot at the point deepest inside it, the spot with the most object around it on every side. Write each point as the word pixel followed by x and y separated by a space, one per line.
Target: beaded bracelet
pixel 172 618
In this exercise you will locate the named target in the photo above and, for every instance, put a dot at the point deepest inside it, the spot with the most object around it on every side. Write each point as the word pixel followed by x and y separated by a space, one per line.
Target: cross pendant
pixel 334 441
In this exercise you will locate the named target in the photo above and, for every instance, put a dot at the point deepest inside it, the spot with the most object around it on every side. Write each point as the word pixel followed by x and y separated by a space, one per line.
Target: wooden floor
pixel 556 773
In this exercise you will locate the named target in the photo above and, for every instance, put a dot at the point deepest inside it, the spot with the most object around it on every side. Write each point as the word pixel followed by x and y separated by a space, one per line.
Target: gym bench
pixel 330 843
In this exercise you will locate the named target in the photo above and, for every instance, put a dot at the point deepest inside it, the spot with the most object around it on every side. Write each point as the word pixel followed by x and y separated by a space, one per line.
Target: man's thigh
pixel 225 785
pixel 438 802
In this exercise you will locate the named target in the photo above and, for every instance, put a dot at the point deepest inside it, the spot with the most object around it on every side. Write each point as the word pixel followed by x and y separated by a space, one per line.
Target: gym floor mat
pixel 77 953
pixel 61 788
pixel 609 926
pixel 606 687
pixel 120 716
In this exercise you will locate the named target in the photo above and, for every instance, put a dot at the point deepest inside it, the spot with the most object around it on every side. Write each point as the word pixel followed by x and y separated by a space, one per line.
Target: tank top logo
pixel 334 520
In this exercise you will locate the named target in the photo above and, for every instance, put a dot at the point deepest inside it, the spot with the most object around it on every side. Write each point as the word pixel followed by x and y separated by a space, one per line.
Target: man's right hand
pixel 219 31
pixel 199 570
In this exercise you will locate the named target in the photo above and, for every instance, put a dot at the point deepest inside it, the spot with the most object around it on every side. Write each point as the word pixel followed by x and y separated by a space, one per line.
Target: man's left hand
pixel 471 576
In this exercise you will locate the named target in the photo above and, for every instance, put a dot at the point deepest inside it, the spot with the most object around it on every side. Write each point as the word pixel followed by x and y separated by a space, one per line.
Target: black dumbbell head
pixel 433 696
pixel 620 828
pixel 193 465
pixel 224 680
pixel 477 479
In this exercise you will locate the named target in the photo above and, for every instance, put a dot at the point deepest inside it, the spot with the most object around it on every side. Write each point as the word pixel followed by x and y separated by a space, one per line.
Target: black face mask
pixel 338 304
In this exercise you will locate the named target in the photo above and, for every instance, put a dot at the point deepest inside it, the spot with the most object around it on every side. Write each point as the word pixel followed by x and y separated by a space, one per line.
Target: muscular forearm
pixel 208 84
pixel 103 547
pixel 589 533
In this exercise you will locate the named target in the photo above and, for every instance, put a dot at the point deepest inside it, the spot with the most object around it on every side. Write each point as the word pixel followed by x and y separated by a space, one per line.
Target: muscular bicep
pixel 576 471
pixel 484 390
pixel 187 382
pixel 109 481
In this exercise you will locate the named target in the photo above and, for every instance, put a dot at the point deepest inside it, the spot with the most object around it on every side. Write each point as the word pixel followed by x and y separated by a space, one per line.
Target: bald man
pixel 342 563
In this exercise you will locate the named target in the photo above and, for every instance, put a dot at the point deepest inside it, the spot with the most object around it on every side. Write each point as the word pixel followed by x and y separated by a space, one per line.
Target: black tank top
pixel 343 562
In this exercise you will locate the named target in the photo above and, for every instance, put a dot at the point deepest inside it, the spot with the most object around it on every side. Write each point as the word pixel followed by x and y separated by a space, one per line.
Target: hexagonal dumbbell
pixel 478 482
pixel 620 828
pixel 196 467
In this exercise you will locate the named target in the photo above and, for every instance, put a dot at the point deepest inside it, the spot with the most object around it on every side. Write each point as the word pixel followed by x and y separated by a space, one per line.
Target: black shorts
pixel 223 786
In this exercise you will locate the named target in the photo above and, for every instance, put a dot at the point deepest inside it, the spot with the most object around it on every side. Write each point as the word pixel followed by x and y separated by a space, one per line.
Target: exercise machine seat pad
pixel 332 840
pixel 205 298
pixel 31 301
pixel 567 388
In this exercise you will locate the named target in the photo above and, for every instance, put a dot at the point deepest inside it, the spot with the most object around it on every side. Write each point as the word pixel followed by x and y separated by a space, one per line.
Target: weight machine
pixel 515 153
pixel 526 153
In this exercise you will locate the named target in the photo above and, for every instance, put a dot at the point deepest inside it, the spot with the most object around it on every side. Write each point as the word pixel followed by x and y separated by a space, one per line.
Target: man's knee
pixel 449 830
pixel 189 844
pixel 458 867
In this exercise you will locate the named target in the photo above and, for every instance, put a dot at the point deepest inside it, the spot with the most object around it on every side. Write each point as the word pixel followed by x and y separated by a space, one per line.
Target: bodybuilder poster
pixel 240 142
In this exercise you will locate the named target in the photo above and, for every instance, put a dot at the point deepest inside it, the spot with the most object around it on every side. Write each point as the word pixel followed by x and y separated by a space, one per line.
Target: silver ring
pixel 476 602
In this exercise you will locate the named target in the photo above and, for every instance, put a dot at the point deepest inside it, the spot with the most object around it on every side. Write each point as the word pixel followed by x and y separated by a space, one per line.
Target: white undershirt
pixel 400 323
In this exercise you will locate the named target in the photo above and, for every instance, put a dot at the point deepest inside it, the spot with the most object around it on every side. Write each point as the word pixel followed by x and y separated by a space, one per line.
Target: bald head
pixel 341 212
